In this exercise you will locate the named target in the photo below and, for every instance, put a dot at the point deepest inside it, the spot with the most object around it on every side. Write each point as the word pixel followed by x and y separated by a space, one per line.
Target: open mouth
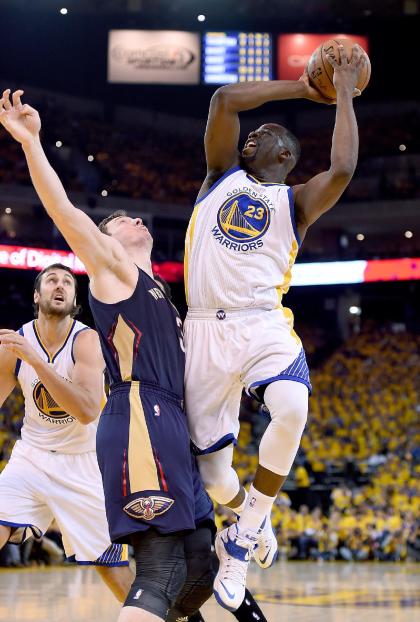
pixel 58 298
pixel 249 147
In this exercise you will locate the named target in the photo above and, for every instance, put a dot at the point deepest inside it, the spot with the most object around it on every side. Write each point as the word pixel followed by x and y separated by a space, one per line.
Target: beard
pixel 49 308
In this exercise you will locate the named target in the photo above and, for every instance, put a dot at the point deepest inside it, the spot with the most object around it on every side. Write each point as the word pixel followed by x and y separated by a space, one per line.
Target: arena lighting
pixel 360 237
pixel 8 210
pixel 353 310
pixel 408 234
pixel 90 158
pixel 201 18
pixel 317 273
pixel 402 147
pixel 58 144
pixel 63 11
pixel 104 193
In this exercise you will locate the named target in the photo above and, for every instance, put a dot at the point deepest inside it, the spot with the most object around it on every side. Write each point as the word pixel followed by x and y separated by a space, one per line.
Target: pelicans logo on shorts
pixel 242 220
pixel 147 508
pixel 46 404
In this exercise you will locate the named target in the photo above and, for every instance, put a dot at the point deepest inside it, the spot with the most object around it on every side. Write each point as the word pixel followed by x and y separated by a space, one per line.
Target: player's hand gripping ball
pixel 321 72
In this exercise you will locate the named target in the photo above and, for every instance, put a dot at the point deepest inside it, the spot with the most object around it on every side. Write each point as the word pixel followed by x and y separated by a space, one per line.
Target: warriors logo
pixel 147 508
pixel 46 404
pixel 241 221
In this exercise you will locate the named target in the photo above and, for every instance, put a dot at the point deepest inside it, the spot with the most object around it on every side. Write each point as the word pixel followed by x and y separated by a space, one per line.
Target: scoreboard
pixel 236 57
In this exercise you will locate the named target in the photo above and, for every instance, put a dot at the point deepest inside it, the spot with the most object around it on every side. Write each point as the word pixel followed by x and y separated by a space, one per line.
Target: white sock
pixel 257 507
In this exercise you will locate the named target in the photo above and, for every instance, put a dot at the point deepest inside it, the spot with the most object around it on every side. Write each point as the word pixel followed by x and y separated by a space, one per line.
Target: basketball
pixel 321 71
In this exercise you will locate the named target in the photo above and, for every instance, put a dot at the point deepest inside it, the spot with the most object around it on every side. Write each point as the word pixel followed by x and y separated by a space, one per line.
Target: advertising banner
pixel 153 56
pixel 317 273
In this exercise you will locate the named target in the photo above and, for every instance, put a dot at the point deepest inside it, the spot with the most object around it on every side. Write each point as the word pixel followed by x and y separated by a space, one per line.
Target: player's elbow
pixel 221 97
pixel 88 412
pixel 85 417
pixel 342 172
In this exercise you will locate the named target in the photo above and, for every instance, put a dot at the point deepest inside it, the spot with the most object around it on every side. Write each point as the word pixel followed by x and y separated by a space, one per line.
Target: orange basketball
pixel 321 71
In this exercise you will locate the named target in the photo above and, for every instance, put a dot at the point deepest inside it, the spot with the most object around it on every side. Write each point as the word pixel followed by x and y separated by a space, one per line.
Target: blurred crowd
pixel 153 163
pixel 354 493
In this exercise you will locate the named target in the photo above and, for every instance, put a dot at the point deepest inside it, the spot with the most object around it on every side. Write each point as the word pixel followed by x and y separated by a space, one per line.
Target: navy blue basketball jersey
pixel 141 337
pixel 142 442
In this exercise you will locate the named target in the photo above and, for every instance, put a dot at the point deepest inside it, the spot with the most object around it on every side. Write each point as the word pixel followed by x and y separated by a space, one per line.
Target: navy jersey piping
pixel 230 171
pixel 292 214
pixel 74 339
pixel 19 361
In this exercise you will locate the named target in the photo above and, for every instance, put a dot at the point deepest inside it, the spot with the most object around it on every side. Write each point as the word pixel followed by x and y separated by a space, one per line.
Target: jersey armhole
pixel 74 339
pixel 230 171
pixel 18 361
pixel 292 214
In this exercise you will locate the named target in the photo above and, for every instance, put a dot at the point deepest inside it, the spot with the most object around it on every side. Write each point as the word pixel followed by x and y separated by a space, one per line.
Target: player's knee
pixel 222 488
pixel 219 478
pixel 161 571
pixel 198 586
pixel 288 405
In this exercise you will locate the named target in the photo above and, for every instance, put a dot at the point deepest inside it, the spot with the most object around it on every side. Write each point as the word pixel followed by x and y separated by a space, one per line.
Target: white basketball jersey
pixel 46 425
pixel 241 244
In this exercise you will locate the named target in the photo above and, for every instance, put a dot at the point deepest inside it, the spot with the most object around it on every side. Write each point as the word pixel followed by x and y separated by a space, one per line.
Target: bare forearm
pixel 73 399
pixel 249 95
pixel 79 231
pixel 46 181
pixel 345 141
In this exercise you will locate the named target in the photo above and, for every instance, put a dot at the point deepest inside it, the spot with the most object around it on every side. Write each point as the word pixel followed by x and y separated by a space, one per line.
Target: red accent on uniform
pixel 138 335
pixel 161 473
pixel 124 474
pixel 110 338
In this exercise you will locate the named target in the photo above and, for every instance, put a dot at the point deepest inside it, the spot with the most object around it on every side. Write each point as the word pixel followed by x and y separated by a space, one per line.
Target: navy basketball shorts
pixel 144 457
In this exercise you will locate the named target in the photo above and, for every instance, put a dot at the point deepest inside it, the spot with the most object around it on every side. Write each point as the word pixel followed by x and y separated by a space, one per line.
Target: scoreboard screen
pixel 236 57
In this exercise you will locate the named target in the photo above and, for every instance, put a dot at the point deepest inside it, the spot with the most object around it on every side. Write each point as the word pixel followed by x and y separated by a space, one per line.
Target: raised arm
pixel 222 131
pixel 96 250
pixel 82 397
pixel 322 192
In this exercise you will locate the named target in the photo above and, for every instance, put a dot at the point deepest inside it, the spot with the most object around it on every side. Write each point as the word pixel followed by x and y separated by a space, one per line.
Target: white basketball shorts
pixel 37 486
pixel 227 351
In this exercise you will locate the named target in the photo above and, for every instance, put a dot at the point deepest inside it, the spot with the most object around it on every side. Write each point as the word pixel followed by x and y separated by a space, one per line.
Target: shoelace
pixel 236 570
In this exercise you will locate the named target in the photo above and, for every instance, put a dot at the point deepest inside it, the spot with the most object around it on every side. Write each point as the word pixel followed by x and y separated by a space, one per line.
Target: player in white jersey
pixel 241 243
pixel 53 470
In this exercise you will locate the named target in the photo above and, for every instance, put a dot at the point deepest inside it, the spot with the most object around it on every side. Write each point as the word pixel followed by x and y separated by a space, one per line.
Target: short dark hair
pixel 118 214
pixel 37 285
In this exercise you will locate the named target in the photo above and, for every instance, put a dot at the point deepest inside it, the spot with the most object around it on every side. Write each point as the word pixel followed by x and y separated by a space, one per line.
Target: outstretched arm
pixel 81 397
pixel 96 250
pixel 322 192
pixel 222 132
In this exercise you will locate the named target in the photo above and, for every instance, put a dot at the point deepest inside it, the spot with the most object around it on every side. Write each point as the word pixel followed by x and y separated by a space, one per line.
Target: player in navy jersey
pixel 143 442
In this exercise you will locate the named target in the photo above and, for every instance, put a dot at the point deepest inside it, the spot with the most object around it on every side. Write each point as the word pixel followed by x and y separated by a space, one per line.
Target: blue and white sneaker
pixel 234 549
pixel 265 553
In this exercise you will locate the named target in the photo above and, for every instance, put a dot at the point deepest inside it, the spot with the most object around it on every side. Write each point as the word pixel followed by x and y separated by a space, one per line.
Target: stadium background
pixel 354 491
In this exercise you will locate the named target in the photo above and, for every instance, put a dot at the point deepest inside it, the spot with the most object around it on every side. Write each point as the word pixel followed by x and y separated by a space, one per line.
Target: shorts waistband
pixel 125 387
pixel 222 314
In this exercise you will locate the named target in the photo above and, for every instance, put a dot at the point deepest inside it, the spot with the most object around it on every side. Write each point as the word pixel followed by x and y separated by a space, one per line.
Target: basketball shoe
pixel 234 549
pixel 265 553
